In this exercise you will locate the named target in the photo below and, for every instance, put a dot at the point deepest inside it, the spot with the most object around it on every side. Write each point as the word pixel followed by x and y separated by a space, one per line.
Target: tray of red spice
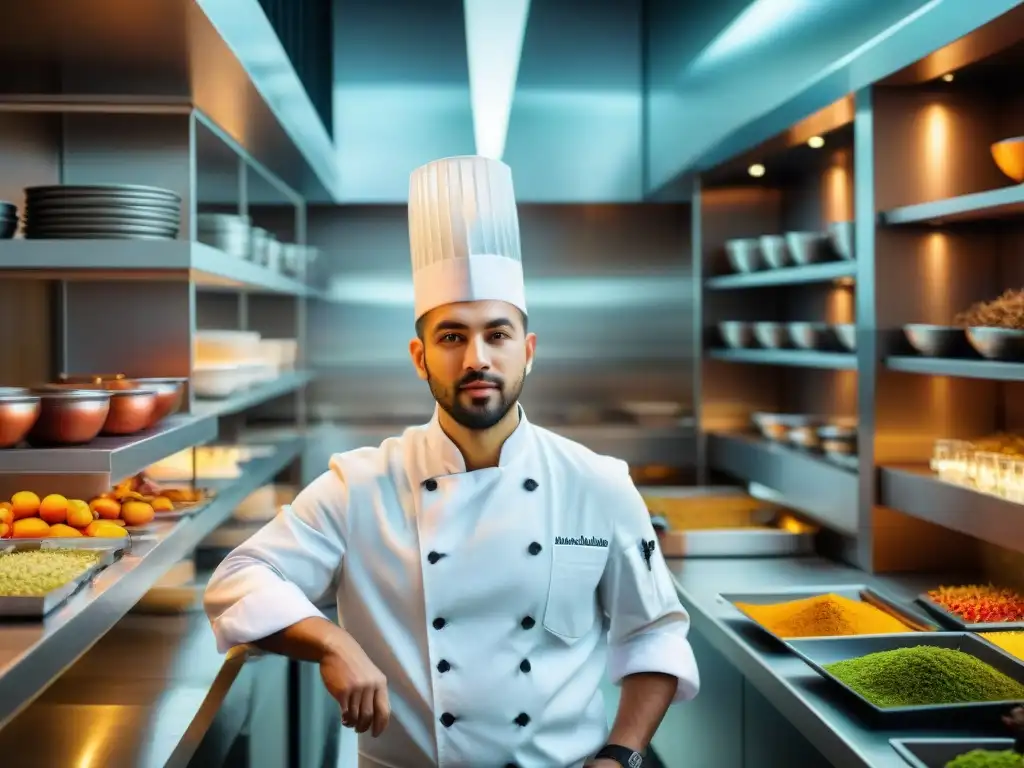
pixel 976 608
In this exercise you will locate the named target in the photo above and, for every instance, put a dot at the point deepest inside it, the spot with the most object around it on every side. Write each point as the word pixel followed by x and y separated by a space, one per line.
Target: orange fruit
pixel 79 514
pixel 104 529
pixel 107 509
pixel 137 513
pixel 30 528
pixel 54 509
pixel 5 530
pixel 61 531
pixel 6 515
pixel 119 522
pixel 24 504
pixel 162 504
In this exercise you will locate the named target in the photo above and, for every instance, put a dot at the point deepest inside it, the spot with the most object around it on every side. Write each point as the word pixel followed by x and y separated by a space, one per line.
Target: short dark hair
pixel 421 324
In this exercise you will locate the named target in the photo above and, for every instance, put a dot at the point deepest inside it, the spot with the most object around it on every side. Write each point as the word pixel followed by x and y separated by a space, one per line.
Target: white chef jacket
pixel 490 600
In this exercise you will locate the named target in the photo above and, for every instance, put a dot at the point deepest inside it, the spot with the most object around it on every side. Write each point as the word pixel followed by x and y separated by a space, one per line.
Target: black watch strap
pixel 624 756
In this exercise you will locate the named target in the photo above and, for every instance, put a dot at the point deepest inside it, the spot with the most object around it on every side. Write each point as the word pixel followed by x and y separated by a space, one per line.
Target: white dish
pixel 218 347
pixel 224 380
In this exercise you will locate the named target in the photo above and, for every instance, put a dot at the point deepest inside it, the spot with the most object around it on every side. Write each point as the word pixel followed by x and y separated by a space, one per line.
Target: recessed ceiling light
pixel 756 170
pixel 815 142
pixel 948 77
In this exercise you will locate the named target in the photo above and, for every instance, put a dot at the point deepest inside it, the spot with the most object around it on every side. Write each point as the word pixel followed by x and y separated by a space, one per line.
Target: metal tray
pixel 849 591
pixel 729 523
pixel 936 753
pixel 39 606
pixel 954 621
pixel 817 653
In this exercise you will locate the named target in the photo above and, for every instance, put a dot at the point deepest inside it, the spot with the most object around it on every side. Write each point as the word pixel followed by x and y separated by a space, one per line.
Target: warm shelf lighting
pixel 815 142
pixel 756 170
pixel 948 77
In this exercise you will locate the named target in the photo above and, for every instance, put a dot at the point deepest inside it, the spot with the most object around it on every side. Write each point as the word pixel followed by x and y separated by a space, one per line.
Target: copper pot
pixel 169 394
pixel 69 416
pixel 131 411
pixel 19 410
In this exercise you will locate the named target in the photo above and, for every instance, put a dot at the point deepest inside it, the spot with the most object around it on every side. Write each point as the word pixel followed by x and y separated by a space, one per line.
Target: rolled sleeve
pixel 272 580
pixel 648 625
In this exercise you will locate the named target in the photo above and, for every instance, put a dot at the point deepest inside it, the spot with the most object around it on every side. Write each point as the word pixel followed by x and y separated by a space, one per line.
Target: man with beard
pixel 487 570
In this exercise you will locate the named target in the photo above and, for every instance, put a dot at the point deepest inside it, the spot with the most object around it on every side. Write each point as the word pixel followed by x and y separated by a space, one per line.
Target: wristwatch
pixel 624 756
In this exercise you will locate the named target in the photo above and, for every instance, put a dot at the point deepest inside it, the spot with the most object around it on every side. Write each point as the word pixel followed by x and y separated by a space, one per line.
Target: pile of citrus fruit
pixel 26 516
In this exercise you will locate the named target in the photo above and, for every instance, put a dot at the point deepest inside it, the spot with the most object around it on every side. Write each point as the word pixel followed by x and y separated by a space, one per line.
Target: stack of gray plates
pixel 114 211
pixel 226 232
pixel 8 220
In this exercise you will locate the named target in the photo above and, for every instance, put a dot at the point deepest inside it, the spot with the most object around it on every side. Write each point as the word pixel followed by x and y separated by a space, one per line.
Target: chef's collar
pixel 439 456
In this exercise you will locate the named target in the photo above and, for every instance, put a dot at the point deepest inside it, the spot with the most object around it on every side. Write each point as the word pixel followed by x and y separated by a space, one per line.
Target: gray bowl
pixel 812 335
pixel 840 235
pixel 736 334
pixel 846 335
pixel 935 340
pixel 775 251
pixel 772 335
pixel 744 254
pixel 808 247
pixel 997 343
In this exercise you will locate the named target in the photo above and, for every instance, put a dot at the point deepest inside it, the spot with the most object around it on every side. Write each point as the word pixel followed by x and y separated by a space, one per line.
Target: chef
pixel 489 573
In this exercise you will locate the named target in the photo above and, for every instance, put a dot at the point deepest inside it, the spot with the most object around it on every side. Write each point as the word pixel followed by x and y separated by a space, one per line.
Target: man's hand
pixel 357 685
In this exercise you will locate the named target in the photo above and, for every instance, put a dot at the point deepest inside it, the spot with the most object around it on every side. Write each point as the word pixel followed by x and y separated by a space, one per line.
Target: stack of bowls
pixel 107 211
pixel 226 232
pixel 8 220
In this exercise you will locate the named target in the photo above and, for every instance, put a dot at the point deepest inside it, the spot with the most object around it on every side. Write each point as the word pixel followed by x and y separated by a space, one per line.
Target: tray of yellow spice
pixel 37 577
pixel 827 612
pixel 930 680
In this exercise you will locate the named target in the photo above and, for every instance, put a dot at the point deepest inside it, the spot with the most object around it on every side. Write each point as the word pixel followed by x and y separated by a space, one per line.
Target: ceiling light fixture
pixel 756 170
pixel 948 77
pixel 494 44
pixel 815 142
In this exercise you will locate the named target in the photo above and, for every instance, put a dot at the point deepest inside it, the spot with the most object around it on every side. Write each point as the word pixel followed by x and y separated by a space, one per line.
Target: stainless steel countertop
pixel 143 696
pixel 798 692
pixel 33 654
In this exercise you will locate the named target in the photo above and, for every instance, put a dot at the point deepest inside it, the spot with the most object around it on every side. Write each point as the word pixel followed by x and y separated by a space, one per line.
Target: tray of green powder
pixel 827 612
pixel 931 680
pixel 958 753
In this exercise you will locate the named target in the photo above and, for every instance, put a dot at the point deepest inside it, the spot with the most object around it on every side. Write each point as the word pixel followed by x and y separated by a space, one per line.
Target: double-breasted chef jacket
pixel 491 600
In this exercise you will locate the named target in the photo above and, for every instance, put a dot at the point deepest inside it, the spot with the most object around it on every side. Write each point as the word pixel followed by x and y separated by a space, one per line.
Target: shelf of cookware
pixel 116 455
pixel 824 272
pixel 247 397
pixel 987 342
pixel 800 344
pixel 133 259
pixel 791 672
pixel 33 654
pixel 822 485
pixel 989 205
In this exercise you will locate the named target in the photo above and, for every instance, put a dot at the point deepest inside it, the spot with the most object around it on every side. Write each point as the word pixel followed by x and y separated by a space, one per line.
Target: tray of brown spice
pixel 827 612
pixel 934 680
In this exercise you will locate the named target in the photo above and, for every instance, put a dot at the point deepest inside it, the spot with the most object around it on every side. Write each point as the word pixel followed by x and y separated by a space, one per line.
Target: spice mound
pixel 823 616
pixel 1011 642
pixel 980 604
pixel 33 573
pixel 986 758
pixel 925 675
pixel 1005 311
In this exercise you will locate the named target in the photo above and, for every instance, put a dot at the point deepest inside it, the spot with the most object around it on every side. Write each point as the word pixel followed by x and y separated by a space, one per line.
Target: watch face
pixel 635 760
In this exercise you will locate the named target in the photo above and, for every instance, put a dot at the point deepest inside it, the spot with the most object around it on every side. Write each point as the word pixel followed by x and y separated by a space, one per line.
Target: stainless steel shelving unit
pixel 260 393
pixel 812 273
pixel 798 358
pixel 32 655
pixel 117 457
pixel 992 370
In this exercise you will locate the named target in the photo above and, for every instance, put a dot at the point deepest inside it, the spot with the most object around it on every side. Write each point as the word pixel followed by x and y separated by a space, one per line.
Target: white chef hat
pixel 464 234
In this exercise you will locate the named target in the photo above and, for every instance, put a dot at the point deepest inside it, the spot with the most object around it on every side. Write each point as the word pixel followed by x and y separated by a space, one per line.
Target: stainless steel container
pixel 772 335
pixel 997 343
pixel 808 247
pixel 775 251
pixel 736 334
pixel 744 254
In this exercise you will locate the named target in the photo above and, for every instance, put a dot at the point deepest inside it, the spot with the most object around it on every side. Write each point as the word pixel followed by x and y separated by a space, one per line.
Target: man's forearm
pixel 307 640
pixel 644 700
